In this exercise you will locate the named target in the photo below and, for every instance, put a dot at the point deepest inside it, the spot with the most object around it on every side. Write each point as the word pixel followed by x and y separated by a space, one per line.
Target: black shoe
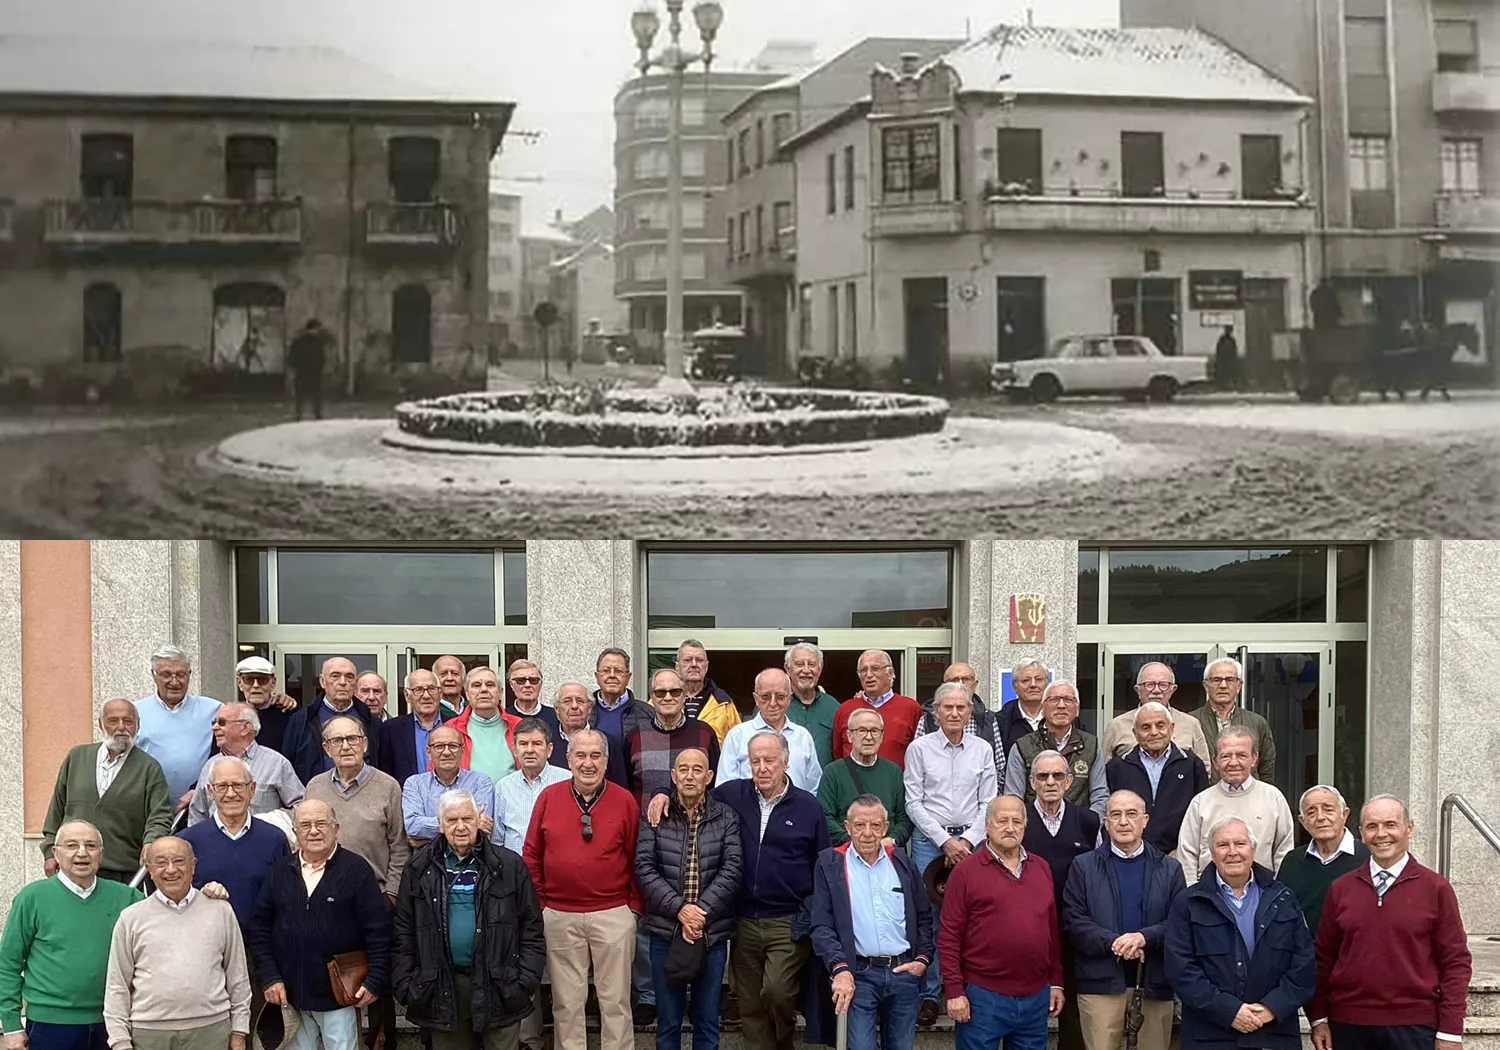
pixel 644 1015
pixel 927 1013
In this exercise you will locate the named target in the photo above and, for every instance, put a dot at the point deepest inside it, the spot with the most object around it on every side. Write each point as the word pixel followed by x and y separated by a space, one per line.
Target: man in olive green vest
pixel 1060 733
pixel 1222 681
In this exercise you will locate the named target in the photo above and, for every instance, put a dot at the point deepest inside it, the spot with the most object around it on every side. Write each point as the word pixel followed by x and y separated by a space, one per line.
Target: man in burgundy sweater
pixel 900 714
pixel 998 942
pixel 580 849
pixel 1397 977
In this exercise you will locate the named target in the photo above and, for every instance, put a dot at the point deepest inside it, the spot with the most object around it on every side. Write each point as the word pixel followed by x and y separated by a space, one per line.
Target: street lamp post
pixel 675 61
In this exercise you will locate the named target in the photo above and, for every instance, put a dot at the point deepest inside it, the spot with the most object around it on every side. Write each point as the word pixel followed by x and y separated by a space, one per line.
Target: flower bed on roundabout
pixel 609 417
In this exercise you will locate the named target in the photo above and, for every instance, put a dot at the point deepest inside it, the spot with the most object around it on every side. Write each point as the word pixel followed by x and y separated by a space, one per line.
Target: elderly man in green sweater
pixel 864 772
pixel 55 949
pixel 117 787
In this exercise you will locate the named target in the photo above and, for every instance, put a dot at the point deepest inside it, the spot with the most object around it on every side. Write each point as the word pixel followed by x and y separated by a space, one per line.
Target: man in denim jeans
pixel 872 927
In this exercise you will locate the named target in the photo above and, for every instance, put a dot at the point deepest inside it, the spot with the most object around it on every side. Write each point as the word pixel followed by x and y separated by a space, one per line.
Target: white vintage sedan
pixel 1130 365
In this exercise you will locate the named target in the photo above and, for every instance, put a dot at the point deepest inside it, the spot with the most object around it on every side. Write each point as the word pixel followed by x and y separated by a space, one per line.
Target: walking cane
pixel 1135 1015
pixel 842 1038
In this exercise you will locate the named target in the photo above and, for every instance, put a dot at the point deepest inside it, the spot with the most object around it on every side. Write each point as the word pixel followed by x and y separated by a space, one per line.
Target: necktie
pixel 1382 883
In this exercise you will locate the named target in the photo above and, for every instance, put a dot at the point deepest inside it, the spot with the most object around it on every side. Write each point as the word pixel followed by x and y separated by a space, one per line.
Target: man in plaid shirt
pixel 652 749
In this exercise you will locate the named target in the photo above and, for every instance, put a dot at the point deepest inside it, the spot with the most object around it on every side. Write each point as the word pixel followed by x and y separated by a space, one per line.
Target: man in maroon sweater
pixel 580 849
pixel 1390 978
pixel 877 692
pixel 998 943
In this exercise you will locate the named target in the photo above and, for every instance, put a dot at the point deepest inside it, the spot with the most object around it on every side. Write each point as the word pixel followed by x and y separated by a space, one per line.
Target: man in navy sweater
pixel 1160 772
pixel 314 905
pixel 783 830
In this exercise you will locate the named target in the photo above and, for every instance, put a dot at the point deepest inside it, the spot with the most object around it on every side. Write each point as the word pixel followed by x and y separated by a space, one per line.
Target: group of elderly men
pixel 888 858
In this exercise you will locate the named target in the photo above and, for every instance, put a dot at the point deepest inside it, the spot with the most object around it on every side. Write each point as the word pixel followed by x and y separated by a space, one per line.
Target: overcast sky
pixel 560 61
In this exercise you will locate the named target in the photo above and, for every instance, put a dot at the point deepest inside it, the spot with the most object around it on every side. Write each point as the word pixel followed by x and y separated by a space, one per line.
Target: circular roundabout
pixel 736 441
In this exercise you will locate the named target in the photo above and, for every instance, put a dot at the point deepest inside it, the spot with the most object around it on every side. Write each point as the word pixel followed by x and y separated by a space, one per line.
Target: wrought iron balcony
pixel 94 223
pixel 434 225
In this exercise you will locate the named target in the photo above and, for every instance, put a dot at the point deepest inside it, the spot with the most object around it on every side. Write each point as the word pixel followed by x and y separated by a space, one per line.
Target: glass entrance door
pixel 412 658
pixel 298 667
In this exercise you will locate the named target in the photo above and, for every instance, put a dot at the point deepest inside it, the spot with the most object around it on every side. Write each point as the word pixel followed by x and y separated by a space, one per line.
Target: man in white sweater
pixel 176 977
pixel 1262 807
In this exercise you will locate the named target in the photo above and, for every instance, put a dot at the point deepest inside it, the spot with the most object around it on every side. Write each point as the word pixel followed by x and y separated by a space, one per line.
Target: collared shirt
pixel 106 768
pixel 312 874
pixel 620 701
pixel 1226 721
pixel 77 890
pixel 1140 847
pixel 345 790
pixel 1230 789
pixel 516 796
pixel 339 710
pixel 180 737
pixel 419 801
pixel 949 785
pixel 419 735
pixel 1154 766
pixel 234 836
pixel 971 728
pixel 767 805
pixel 1020 867
pixel 1053 824
pixel 1242 908
pixel 1395 869
pixel 876 904
pixel 1034 723
pixel 734 757
pixel 878 701
pixel 176 905
pixel 1346 845
pixel 276 784
pixel 691 874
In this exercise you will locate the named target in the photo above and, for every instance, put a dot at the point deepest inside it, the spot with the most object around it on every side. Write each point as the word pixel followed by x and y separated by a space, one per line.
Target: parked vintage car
pixel 721 352
pixel 1130 365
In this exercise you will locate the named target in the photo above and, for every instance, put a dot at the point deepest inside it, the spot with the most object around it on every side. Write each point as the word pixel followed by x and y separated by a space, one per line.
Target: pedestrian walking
pixel 306 359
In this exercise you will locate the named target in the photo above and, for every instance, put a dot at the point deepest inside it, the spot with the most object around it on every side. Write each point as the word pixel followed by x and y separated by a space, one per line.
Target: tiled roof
pixel 165 68
pixel 1168 64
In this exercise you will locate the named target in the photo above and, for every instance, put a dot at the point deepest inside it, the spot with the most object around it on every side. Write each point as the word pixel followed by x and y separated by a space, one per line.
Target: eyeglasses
pixel 867 730
pixel 663 694
pixel 588 826
pixel 1153 687
pixel 1044 777
pixel 1222 679
pixel 872 670
pixel 344 741
pixel 419 690
pixel 257 679
pixel 528 680
pixel 1063 701
pixel 173 676
pixel 230 721
pixel 445 748
pixel 774 696
pixel 959 679
pixel 314 825
pixel 239 787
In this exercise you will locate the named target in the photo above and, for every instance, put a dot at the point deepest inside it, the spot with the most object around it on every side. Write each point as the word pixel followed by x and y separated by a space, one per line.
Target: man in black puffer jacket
pixel 467 951
pixel 689 868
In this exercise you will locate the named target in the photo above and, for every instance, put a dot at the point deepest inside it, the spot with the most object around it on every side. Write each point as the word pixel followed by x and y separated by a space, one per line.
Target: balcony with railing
pixel 905 218
pixel 1221 212
pixel 392 224
pixel 1466 92
pixel 1468 213
pixel 102 223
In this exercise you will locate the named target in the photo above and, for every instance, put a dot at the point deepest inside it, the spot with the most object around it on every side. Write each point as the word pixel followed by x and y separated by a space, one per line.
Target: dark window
pixel 415 166
pixel 729 156
pixel 1224 585
pixel 958 163
pixel 760 143
pixel 1021 312
pixel 515 591
pixel 833 320
pixel 1353 573
pixel 744 234
pixel 848 178
pixel 1372 205
pixel 107 169
pixel 252 585
pixel 1141 171
pixel 851 310
pixel 1088 586
pixel 102 323
pixel 781 220
pixel 744 148
pixel 1260 166
pixel 760 228
pixel 411 325
pixel 827 590
pixel 1350 709
pixel 729 237
pixel 911 162
pixel 781 128
pixel 1457 45
pixel 1018 157
pixel 831 184
pixel 392 586
pixel 1148 306
pixel 250 168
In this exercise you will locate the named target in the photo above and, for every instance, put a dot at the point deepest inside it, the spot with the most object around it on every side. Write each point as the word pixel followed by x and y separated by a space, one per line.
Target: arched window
pixel 102 323
pixel 411 325
pixel 249 327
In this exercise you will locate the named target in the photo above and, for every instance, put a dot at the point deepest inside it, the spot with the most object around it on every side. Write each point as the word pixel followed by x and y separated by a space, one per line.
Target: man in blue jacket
pixel 872 927
pixel 1115 908
pixel 782 831
pixel 1160 772
pixel 1238 952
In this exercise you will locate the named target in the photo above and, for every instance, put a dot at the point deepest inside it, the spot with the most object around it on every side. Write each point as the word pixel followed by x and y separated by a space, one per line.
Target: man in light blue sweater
pixel 176 726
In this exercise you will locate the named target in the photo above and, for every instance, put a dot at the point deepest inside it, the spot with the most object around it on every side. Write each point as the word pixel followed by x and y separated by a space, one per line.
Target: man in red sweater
pixel 877 691
pixel 1390 978
pixel 580 849
pixel 998 942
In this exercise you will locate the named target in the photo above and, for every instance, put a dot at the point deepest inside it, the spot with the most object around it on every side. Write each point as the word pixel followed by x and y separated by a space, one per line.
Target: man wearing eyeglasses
pixel 421 793
pixel 900 714
pixel 525 701
pixel 981 722
pixel 1060 733
pixel 773 695
pixel 580 849
pixel 174 723
pixel 1222 681
pixel 653 749
pixel 1156 683
pixel 276 785
pixel 404 737
pixel 616 711
pixel 255 676
pixel 706 701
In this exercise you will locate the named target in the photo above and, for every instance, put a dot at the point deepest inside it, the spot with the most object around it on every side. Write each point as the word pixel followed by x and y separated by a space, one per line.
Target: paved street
pixel 1209 467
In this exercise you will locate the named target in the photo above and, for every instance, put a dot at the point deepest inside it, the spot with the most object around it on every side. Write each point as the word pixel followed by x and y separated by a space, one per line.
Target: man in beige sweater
pixel 1155 681
pixel 368 803
pixel 176 978
pixel 1261 806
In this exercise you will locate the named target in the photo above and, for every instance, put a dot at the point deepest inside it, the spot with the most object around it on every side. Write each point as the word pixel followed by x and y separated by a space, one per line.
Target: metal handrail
pixel 178 819
pixel 1445 830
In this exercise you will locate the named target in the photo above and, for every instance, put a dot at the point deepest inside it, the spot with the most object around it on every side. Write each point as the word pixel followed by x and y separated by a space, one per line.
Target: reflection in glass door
pixel 299 670
pixel 407 659
pixel 1287 687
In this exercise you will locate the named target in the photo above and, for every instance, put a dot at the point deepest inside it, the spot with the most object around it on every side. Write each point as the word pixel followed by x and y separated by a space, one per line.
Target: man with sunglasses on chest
pixel 580 849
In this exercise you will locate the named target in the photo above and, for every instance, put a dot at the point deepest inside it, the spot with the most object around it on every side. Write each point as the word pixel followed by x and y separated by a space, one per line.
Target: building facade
pixel 1374 664
pixel 760 198
pixel 179 216
pixel 1037 183
pixel 506 270
pixel 1404 143
pixel 584 290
